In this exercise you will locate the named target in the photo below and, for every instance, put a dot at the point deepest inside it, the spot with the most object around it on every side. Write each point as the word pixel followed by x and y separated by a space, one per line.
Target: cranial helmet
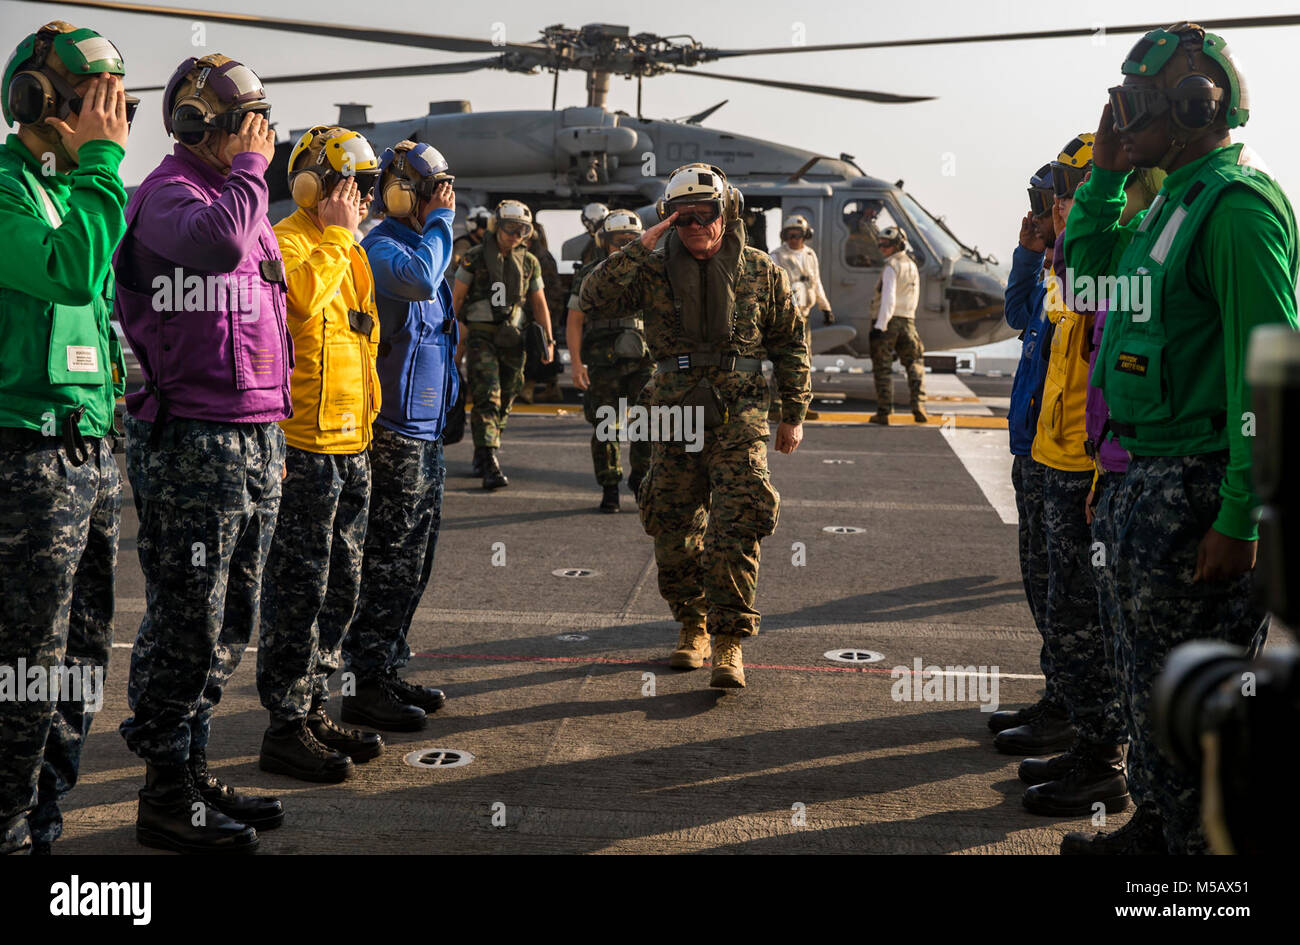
pixel 477 219
pixel 893 236
pixel 323 156
pixel 409 172
pixel 41 75
pixel 214 93
pixel 1040 191
pixel 1195 82
pixel 619 221
pixel 797 222
pixel 1071 164
pixel 593 215
pixel 699 183
pixel 512 211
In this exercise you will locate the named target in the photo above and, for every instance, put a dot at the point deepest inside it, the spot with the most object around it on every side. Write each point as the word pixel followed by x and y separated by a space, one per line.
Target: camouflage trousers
pixel 607 386
pixel 407 477
pixel 1027 479
pixel 59 527
pixel 313 578
pixel 207 498
pixel 496 376
pixel 1158 514
pixel 707 512
pixel 1085 679
pixel 899 338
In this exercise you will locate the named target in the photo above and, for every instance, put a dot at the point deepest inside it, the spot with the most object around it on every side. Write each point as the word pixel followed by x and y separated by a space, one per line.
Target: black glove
pixel 829 316
pixel 875 333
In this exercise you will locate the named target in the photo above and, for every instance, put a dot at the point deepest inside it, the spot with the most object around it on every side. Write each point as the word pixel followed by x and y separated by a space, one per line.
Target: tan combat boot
pixel 692 648
pixel 728 669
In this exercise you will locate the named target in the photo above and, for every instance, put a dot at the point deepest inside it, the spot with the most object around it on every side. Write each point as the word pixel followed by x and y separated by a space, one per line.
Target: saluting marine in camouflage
pixel 610 363
pixel 494 281
pixel 713 308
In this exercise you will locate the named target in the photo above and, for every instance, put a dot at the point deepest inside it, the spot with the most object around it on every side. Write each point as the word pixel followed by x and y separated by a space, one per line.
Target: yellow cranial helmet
pixel 323 156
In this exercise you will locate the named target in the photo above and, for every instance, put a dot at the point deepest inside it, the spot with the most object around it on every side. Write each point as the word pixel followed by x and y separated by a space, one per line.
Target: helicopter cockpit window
pixel 864 219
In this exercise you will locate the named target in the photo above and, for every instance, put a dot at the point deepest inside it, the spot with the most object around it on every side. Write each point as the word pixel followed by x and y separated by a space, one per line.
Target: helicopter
pixel 568 157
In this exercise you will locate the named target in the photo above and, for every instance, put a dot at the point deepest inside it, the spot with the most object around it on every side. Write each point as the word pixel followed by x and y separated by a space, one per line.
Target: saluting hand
pixel 1106 150
pixel 650 238
pixel 102 116
pixel 1029 237
pixel 342 207
pixel 255 136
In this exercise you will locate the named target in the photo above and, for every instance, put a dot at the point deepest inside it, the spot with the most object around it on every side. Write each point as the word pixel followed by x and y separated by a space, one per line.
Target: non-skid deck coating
pixel 592 744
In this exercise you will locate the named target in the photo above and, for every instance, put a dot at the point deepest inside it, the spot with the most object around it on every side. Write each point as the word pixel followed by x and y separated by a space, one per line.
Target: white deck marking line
pixel 985 455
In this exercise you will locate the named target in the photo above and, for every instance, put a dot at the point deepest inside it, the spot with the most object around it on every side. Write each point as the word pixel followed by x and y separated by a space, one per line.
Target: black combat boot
pixel 919 415
pixel 881 417
pixel 174 816
pixel 1010 718
pixel 402 690
pixel 493 477
pixel 1143 835
pixel 479 453
pixel 609 501
pixel 264 813
pixel 358 745
pixel 1096 776
pixel 291 749
pixel 1042 770
pixel 1048 731
pixel 376 706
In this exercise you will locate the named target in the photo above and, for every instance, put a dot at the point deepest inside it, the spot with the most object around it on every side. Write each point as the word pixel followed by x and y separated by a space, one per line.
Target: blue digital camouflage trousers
pixel 313 578
pixel 1027 479
pixel 407 476
pixel 207 497
pixel 1158 514
pixel 59 527
pixel 1085 679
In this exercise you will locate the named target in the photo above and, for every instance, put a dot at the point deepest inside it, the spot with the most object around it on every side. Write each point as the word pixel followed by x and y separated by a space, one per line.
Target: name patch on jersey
pixel 1132 363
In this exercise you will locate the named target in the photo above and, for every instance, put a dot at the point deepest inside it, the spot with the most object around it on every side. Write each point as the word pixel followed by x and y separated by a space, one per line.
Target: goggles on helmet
pixel 619 240
pixel 231 121
pixel 694 211
pixel 515 227
pixel 1066 179
pixel 1041 194
pixel 72 105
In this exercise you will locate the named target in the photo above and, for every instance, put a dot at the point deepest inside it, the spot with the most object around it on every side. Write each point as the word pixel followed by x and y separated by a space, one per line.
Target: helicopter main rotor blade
pixel 385 72
pixel 859 94
pixel 367 33
pixel 1230 23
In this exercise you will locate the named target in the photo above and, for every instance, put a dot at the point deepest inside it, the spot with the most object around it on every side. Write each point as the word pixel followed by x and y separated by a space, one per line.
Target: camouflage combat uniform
pixel 207 498
pixel 898 338
pixel 496 374
pixel 1027 478
pixel 611 377
pixel 59 527
pixel 708 510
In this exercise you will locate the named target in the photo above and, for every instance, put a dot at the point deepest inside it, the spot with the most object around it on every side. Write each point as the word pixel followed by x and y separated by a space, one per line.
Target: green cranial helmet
pixel 40 76
pixel 1195 81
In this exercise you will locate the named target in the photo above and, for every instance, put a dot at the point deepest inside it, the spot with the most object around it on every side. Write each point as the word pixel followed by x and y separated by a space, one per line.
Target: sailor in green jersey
pixel 61 212
pixel 1214 257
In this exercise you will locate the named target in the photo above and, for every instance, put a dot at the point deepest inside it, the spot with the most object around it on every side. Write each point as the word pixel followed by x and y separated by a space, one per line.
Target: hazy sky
pixel 1003 109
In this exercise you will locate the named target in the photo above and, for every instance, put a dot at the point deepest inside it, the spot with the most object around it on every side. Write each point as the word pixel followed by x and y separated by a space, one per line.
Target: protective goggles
pixel 231 121
pixel 71 102
pixel 1040 200
pixel 515 227
pixel 366 181
pixel 693 211
pixel 1066 179
pixel 793 231
pixel 1132 107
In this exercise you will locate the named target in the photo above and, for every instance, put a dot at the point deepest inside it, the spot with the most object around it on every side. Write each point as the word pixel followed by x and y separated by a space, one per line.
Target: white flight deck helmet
pixel 797 222
pixel 477 219
pixel 698 183
pixel 593 215
pixel 893 235
pixel 619 221
pixel 512 211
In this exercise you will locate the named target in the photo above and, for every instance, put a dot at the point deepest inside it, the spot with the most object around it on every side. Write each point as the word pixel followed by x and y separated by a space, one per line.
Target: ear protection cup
pixel 190 120
pixel 735 205
pixel 1195 113
pixel 661 209
pixel 399 198
pixel 31 98
pixel 492 223
pixel 307 188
